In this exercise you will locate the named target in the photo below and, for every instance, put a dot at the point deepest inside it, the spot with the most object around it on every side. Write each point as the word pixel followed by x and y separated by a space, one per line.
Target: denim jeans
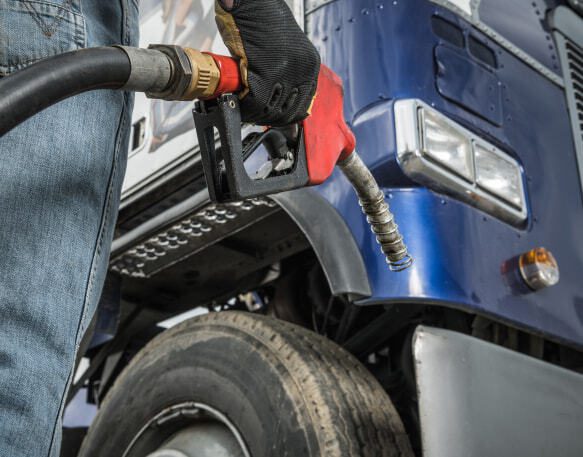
pixel 60 181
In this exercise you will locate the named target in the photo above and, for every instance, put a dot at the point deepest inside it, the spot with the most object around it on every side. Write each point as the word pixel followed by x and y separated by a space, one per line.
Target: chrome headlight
pixel 441 154
pixel 499 174
pixel 446 145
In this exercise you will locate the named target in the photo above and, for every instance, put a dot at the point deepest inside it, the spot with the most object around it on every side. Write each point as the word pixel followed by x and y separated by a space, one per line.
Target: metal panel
pixel 532 36
pixel 469 84
pixel 526 34
pixel 477 399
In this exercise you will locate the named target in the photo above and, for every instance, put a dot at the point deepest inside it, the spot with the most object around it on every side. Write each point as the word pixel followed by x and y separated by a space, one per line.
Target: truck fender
pixel 331 240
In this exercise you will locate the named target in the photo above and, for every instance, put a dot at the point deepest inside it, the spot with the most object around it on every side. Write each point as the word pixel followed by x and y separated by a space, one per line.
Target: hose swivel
pixel 378 215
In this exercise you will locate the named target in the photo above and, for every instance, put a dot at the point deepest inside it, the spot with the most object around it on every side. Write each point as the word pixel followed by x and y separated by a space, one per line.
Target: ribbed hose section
pixel 378 215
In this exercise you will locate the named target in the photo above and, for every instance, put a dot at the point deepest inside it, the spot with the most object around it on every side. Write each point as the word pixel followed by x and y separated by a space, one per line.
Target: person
pixel 60 181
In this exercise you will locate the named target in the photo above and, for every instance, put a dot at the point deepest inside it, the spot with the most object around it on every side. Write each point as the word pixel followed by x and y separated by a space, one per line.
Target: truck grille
pixel 571 55
pixel 575 66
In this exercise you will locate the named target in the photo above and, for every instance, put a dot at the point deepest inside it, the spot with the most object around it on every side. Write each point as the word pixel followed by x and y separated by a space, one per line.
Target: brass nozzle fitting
pixel 205 75
pixel 194 74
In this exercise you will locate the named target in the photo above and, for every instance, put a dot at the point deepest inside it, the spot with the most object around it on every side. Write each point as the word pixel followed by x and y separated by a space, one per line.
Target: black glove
pixel 279 64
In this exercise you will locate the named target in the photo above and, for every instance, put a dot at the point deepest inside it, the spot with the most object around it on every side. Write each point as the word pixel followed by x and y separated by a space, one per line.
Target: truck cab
pixel 470 116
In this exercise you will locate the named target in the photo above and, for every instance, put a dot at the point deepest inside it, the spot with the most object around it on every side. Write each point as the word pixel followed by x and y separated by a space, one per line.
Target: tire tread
pixel 353 415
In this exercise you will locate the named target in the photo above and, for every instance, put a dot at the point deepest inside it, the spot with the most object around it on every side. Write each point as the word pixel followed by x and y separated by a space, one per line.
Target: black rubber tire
pixel 289 391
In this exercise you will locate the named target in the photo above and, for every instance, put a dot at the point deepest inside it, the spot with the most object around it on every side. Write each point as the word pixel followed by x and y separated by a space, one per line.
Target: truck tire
pixel 275 388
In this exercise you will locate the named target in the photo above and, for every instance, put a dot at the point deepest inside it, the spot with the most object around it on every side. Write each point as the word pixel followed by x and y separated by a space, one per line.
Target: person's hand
pixel 279 64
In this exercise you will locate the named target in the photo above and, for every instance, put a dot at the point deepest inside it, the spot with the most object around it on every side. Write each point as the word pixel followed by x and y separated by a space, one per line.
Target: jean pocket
pixel 32 30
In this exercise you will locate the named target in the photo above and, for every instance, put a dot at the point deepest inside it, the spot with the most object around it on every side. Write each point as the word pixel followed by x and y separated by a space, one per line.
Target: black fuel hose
pixel 31 90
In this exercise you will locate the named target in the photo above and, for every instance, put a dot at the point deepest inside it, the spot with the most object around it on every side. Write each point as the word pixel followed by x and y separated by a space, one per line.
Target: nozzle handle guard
pixel 322 139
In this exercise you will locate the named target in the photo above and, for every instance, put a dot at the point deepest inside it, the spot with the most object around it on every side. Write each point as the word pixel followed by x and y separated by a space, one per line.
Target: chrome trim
pixel 482 400
pixel 419 167
pixel 474 19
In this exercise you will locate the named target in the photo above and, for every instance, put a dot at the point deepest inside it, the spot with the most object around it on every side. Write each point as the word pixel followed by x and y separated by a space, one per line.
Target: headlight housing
pixel 441 154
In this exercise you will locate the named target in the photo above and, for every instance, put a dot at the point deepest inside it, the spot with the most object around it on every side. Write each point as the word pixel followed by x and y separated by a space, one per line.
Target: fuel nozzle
pixel 324 140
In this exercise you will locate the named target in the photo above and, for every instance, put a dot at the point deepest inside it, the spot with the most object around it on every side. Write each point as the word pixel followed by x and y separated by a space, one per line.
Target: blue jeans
pixel 60 180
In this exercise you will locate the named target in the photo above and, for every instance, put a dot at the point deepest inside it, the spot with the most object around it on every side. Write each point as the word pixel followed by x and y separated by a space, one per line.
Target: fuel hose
pixel 49 81
pixel 165 72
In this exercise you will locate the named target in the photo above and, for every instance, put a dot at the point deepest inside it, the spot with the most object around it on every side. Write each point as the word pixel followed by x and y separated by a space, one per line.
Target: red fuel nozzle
pixel 327 136
pixel 325 141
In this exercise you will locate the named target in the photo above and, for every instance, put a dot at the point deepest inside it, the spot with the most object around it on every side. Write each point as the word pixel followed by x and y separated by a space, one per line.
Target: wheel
pixel 235 384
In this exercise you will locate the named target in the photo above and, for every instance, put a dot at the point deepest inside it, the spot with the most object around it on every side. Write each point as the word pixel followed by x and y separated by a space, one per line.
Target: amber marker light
pixel 538 268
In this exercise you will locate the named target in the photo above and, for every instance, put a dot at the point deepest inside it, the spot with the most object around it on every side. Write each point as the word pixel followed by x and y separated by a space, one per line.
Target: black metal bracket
pixel 224 167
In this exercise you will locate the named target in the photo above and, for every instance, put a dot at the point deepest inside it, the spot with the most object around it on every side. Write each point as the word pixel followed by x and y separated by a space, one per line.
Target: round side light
pixel 539 268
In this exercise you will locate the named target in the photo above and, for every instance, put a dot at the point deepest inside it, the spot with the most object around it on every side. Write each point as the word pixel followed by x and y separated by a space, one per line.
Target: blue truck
pixel 272 326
